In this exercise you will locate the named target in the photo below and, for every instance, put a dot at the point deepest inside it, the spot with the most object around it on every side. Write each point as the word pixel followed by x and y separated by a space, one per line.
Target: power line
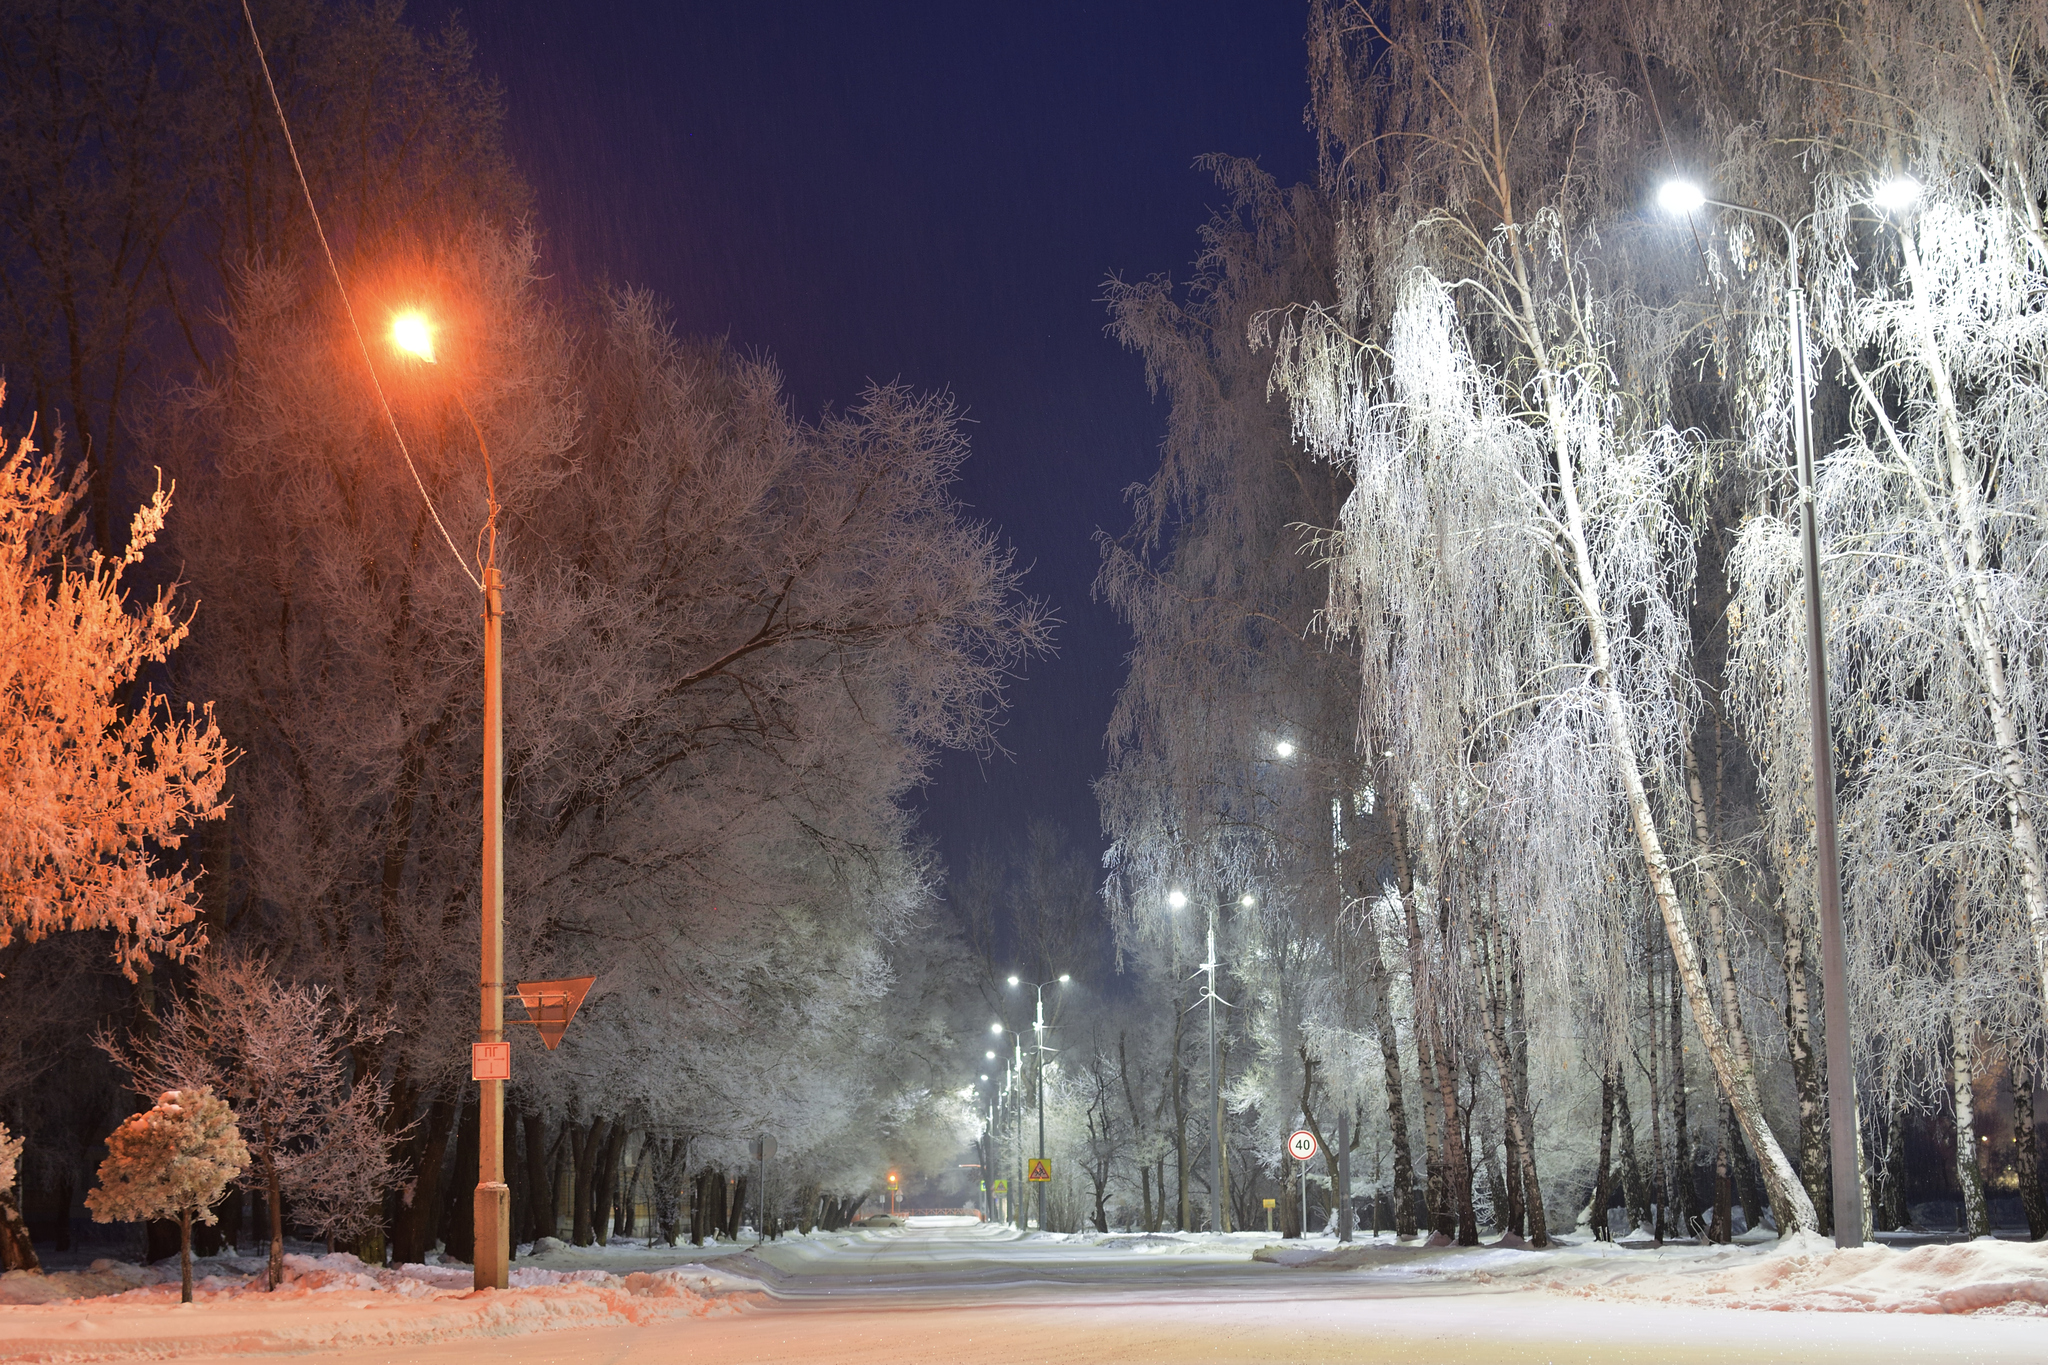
pixel 348 307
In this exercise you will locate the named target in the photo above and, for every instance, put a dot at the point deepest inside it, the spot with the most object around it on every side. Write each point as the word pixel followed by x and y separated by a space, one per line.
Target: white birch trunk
pixel 1973 601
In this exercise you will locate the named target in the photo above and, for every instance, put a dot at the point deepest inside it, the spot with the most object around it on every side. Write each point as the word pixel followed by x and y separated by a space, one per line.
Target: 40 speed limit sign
pixel 1301 1144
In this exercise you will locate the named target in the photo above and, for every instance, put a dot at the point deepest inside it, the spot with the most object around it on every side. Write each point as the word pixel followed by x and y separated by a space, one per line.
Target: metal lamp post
pixel 1219 1217
pixel 1038 1029
pixel 1680 196
pixel 412 334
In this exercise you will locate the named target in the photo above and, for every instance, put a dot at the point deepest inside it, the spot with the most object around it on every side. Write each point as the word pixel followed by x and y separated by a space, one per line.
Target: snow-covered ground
pixel 972 1293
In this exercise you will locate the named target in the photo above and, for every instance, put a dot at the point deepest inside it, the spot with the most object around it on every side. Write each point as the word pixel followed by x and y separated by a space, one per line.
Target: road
pixel 963 1296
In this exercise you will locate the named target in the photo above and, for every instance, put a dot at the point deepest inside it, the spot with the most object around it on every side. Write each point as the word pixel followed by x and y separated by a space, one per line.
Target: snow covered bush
pixel 171 1161
pixel 91 786
pixel 15 1251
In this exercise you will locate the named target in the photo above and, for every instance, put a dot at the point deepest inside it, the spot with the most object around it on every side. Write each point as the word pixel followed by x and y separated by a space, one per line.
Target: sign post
pixel 1302 1146
pixel 1270 1204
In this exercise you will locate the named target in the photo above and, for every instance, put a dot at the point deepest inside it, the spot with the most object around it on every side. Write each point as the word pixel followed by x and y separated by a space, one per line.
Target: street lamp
pixel 412 334
pixel 1682 197
pixel 1219 1215
pixel 1284 749
pixel 1038 1028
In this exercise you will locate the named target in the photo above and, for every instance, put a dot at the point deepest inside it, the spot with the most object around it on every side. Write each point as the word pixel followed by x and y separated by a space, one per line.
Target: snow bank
pixel 1794 1274
pixel 1808 1273
pixel 115 1310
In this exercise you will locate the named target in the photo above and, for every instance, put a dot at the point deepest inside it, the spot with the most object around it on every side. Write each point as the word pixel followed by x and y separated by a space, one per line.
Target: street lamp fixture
pixel 1175 899
pixel 1247 900
pixel 1896 193
pixel 1284 749
pixel 1679 197
pixel 411 333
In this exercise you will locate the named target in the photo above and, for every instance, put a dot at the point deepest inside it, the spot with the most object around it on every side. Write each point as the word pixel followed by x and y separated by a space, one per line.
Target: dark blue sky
pixel 925 192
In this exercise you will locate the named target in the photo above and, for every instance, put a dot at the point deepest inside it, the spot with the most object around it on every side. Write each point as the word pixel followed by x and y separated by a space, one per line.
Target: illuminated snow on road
pixel 971 1293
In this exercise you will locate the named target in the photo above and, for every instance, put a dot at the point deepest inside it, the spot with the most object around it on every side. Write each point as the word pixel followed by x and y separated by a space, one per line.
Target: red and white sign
pixel 490 1061
pixel 1301 1144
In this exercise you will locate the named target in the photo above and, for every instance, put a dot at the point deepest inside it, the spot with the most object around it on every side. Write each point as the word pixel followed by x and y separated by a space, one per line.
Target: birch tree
pixel 1497 407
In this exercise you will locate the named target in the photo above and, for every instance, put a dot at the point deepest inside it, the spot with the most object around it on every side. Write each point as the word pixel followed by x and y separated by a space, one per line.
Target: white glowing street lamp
pixel 1685 197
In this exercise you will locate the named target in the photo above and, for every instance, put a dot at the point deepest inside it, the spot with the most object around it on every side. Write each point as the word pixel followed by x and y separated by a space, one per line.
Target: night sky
pixel 925 192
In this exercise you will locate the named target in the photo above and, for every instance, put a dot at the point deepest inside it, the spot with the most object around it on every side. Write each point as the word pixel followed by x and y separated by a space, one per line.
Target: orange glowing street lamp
pixel 491 1058
pixel 411 333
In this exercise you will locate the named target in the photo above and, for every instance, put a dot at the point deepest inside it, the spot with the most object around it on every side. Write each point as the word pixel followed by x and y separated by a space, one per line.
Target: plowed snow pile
pixel 1808 1273
pixel 116 1310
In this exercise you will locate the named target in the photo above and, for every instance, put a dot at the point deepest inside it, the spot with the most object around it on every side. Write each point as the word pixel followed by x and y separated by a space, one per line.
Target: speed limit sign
pixel 1301 1144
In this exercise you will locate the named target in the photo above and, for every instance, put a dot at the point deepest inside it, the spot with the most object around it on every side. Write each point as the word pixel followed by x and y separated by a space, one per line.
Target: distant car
pixel 878 1220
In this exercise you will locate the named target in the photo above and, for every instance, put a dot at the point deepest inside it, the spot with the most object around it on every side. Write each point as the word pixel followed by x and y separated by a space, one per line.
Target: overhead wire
pixel 348 307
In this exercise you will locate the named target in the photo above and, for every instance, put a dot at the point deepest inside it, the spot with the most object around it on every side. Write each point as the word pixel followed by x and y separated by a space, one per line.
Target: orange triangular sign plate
pixel 552 1004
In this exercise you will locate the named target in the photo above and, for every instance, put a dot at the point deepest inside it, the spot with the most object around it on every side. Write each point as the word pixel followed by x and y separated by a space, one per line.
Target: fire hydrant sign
pixel 1301 1144
pixel 1040 1170
pixel 490 1061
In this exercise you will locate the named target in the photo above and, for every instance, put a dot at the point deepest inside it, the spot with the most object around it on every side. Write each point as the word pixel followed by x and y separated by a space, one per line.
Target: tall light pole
pixel 1679 196
pixel 1038 1029
pixel 411 333
pixel 1219 1217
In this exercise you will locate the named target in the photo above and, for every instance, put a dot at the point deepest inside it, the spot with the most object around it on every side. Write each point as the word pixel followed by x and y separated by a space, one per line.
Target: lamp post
pixel 1679 196
pixel 412 334
pixel 1038 1029
pixel 1219 1216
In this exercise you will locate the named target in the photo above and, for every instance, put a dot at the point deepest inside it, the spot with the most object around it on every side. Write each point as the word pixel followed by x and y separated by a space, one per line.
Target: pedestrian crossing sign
pixel 1041 1170
pixel 1002 1187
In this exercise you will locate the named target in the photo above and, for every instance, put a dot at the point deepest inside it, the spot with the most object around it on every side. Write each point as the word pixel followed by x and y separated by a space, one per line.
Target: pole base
pixel 493 1236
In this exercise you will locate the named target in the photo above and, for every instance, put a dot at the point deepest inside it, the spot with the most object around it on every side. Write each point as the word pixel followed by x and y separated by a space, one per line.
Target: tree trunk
pixel 185 1255
pixel 540 1198
pixel 586 1145
pixel 604 1180
pixel 1806 1073
pixel 1603 1175
pixel 16 1251
pixel 1436 1198
pixel 1684 1196
pixel 274 1272
pixel 1635 1192
pixel 1180 1116
pixel 458 1204
pixel 1722 1229
pixel 1524 1192
pixel 1660 1197
pixel 1971 592
pixel 736 1211
pixel 1737 1084
pixel 1381 984
pixel 1962 1030
pixel 1123 1071
pixel 412 1235
pixel 2026 1157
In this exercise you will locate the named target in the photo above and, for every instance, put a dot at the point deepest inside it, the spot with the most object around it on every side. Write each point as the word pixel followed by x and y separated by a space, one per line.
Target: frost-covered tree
pixel 99 776
pixel 173 1160
pixel 286 1056
pixel 1493 383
